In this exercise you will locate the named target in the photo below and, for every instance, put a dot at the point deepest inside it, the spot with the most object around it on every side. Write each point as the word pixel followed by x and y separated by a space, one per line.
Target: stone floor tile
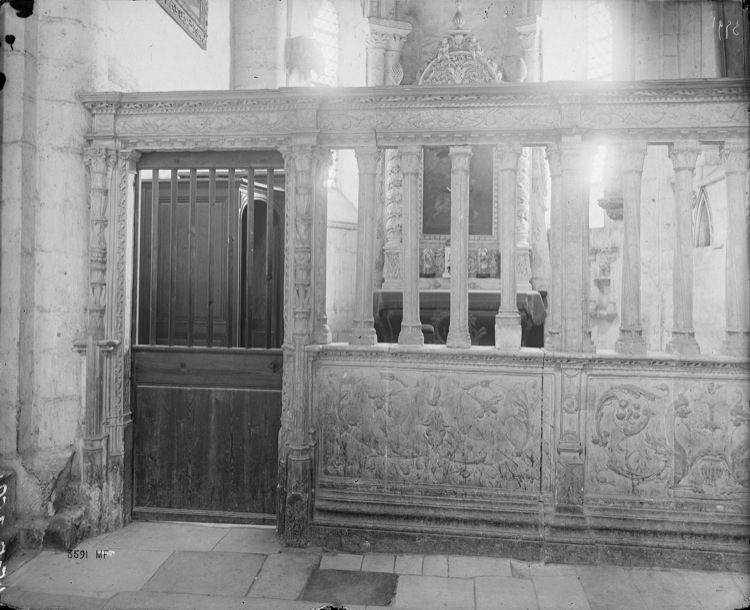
pixel 519 569
pixel 151 600
pixel 610 587
pixel 340 561
pixel 378 562
pixel 469 567
pixel 158 536
pixel 409 564
pixel 434 592
pixel 552 569
pixel 284 575
pixel 259 540
pixel 560 593
pixel 435 565
pixel 716 590
pixel 348 587
pixel 215 573
pixel 13 597
pixel 502 592
pixel 53 572
pixel 664 589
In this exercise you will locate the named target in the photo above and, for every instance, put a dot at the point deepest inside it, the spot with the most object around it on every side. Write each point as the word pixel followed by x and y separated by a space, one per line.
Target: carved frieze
pixel 412 426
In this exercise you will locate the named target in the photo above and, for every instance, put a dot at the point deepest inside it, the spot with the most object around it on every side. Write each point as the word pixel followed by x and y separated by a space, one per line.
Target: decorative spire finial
pixel 458 19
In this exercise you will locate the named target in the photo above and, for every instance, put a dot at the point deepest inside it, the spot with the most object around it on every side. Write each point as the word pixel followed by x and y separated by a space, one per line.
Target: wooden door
pixel 208 332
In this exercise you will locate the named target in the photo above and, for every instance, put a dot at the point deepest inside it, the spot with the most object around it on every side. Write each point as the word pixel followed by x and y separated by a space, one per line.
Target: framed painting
pixel 191 15
pixel 435 200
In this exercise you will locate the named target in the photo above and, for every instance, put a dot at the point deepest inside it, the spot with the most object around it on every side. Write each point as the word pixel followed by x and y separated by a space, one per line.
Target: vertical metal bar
pixel 152 294
pixel 172 256
pixel 211 208
pixel 231 235
pixel 249 252
pixel 191 256
pixel 269 256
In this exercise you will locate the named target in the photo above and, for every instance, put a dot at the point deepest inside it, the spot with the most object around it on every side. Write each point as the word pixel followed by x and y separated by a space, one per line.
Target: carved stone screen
pixel 436 194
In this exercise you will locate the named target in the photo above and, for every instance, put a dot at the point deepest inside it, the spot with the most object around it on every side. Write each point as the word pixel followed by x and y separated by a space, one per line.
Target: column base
pixel 458 338
pixel 411 335
pixel 322 335
pixel 630 342
pixel 508 330
pixel 736 343
pixel 523 268
pixel 363 335
pixel 683 343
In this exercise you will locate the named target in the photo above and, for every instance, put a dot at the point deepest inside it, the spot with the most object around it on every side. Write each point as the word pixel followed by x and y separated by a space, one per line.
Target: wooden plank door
pixel 207 346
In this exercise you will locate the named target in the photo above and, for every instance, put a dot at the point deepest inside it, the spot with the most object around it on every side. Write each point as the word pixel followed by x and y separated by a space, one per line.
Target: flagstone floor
pixel 171 566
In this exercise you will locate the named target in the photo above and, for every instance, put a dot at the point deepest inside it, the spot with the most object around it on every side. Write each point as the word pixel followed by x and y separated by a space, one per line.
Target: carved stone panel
pixel 410 426
pixel 670 438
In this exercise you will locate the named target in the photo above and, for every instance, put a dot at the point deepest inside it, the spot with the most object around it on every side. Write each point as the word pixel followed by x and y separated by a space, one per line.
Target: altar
pixel 434 313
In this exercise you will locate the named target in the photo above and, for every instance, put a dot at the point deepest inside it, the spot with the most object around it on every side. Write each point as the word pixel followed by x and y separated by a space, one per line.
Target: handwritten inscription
pixel 725 28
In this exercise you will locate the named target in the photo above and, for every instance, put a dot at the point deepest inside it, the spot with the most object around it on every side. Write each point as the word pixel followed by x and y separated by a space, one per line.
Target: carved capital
pixel 460 158
pixel 130 158
pixel 684 154
pixel 387 34
pixel 734 155
pixel 553 158
pixel 528 31
pixel 508 154
pixel 410 157
pixel 367 159
pixel 632 156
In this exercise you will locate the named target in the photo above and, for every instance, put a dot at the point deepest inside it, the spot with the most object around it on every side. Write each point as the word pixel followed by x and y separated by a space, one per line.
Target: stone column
pixel 411 327
pixel 508 320
pixel 573 245
pixel 458 332
pixel 385 42
pixel 321 332
pixel 631 339
pixel 258 35
pixel 611 202
pixel 684 154
pixel 363 332
pixel 100 163
pixel 528 29
pixel 553 340
pixel 737 341
pixel 294 483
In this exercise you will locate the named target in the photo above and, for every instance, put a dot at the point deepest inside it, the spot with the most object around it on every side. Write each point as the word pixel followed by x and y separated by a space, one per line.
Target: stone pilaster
pixel 522 196
pixel 508 320
pixel 321 331
pixel 528 29
pixel 631 340
pixel 294 496
pixel 684 154
pixel 411 327
pixel 573 244
pixel 553 340
pixel 100 163
pixel 363 332
pixel 737 340
pixel 458 332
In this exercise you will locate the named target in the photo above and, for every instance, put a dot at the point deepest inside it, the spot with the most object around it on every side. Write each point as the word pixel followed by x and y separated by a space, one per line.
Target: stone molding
pixel 417 114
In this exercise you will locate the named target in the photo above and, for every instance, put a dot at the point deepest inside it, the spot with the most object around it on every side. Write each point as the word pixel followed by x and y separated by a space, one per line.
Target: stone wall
pixel 148 51
pixel 576 459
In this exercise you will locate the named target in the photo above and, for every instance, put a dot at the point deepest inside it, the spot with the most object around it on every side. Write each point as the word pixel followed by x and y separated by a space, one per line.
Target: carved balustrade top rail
pixel 534 113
